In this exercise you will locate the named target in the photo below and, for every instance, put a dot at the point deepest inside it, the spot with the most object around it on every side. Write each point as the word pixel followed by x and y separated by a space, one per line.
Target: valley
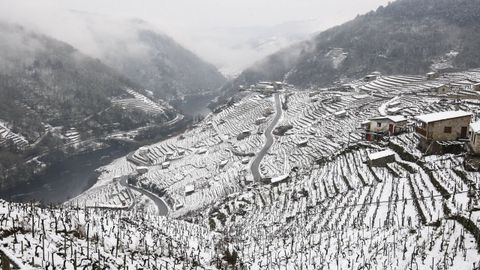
pixel 318 201
pixel 356 148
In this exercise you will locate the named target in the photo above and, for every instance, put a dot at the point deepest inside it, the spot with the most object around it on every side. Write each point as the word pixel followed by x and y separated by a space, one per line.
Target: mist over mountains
pixel 405 37
pixel 153 59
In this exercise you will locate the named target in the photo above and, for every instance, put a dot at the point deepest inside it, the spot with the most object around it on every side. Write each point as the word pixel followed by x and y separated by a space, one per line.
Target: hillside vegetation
pixel 405 37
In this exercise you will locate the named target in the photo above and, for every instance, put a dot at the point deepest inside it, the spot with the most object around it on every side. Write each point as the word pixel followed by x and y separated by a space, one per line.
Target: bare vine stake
pixel 88 241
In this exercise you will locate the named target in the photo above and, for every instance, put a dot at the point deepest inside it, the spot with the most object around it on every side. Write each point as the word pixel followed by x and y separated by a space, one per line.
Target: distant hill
pixel 152 59
pixel 405 37
pixel 45 81
pixel 51 94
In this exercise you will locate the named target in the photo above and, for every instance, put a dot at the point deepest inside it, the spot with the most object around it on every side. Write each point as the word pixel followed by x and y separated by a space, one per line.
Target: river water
pixel 66 179
pixel 72 176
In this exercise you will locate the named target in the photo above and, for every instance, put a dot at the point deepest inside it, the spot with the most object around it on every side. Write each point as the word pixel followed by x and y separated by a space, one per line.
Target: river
pixel 65 179
pixel 72 176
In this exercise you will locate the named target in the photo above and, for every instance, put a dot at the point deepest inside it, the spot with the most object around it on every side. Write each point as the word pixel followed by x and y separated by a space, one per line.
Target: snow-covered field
pixel 328 208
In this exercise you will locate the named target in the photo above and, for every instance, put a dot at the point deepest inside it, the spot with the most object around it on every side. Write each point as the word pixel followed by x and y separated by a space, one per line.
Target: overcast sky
pixel 220 31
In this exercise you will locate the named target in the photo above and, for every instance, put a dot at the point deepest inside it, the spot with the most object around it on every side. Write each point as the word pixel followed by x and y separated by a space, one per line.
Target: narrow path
pixel 162 207
pixel 255 167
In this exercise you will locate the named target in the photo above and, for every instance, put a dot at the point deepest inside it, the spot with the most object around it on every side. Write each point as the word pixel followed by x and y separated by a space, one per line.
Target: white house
pixel 443 89
pixel 390 124
pixel 432 75
pixel 165 165
pixel 260 120
pixel 142 170
pixel 474 135
pixel 279 179
pixel 340 114
pixel 382 158
pixel 370 78
pixel 201 151
pixel 189 189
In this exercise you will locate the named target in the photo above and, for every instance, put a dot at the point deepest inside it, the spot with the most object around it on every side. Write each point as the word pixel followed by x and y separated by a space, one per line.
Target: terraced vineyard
pixel 7 135
pixel 141 102
pixel 210 157
pixel 92 239
pixel 319 205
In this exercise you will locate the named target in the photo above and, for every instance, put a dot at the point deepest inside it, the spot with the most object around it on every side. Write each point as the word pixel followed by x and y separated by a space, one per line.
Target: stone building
pixel 441 127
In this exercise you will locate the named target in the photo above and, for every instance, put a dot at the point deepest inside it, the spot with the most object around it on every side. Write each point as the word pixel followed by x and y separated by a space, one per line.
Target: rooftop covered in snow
pixel 475 127
pixel 381 154
pixel 440 116
pixel 393 118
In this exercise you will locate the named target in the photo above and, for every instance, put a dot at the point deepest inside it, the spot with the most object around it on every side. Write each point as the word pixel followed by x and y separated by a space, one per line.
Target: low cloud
pixel 232 35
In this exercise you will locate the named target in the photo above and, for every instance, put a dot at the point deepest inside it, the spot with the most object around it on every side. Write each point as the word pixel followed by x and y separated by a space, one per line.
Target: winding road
pixel 255 167
pixel 161 205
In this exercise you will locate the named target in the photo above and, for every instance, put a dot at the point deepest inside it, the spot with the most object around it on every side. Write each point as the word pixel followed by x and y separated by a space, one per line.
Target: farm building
pixel 201 151
pixel 165 165
pixel 474 135
pixel 279 179
pixel 442 127
pixel 223 163
pixel 268 111
pixel 302 143
pixel 432 75
pixel 443 89
pixel 379 126
pixel 142 170
pixel 336 98
pixel 278 85
pixel 467 85
pixel 189 189
pixel 381 159
pixel 394 110
pixel 340 114
pixel 370 78
pixel 260 120
pixel 266 86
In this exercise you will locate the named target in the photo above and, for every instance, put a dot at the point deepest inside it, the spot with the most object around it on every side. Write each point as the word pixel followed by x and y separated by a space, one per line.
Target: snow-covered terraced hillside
pixel 346 214
pixel 141 102
pixel 210 157
pixel 320 204
pixel 6 134
pixel 68 238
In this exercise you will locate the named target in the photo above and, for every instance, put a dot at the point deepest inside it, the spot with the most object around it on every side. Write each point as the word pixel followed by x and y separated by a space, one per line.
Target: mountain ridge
pixel 404 37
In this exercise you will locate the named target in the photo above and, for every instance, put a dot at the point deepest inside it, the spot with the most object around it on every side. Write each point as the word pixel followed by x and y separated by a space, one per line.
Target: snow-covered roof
pixel 394 110
pixel 475 127
pixel 439 116
pixel 201 151
pixel 189 188
pixel 342 112
pixel 381 154
pixel 224 162
pixel 279 178
pixel 393 118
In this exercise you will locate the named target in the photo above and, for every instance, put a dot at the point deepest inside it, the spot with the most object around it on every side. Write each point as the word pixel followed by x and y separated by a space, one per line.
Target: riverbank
pixel 74 175
pixel 65 179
